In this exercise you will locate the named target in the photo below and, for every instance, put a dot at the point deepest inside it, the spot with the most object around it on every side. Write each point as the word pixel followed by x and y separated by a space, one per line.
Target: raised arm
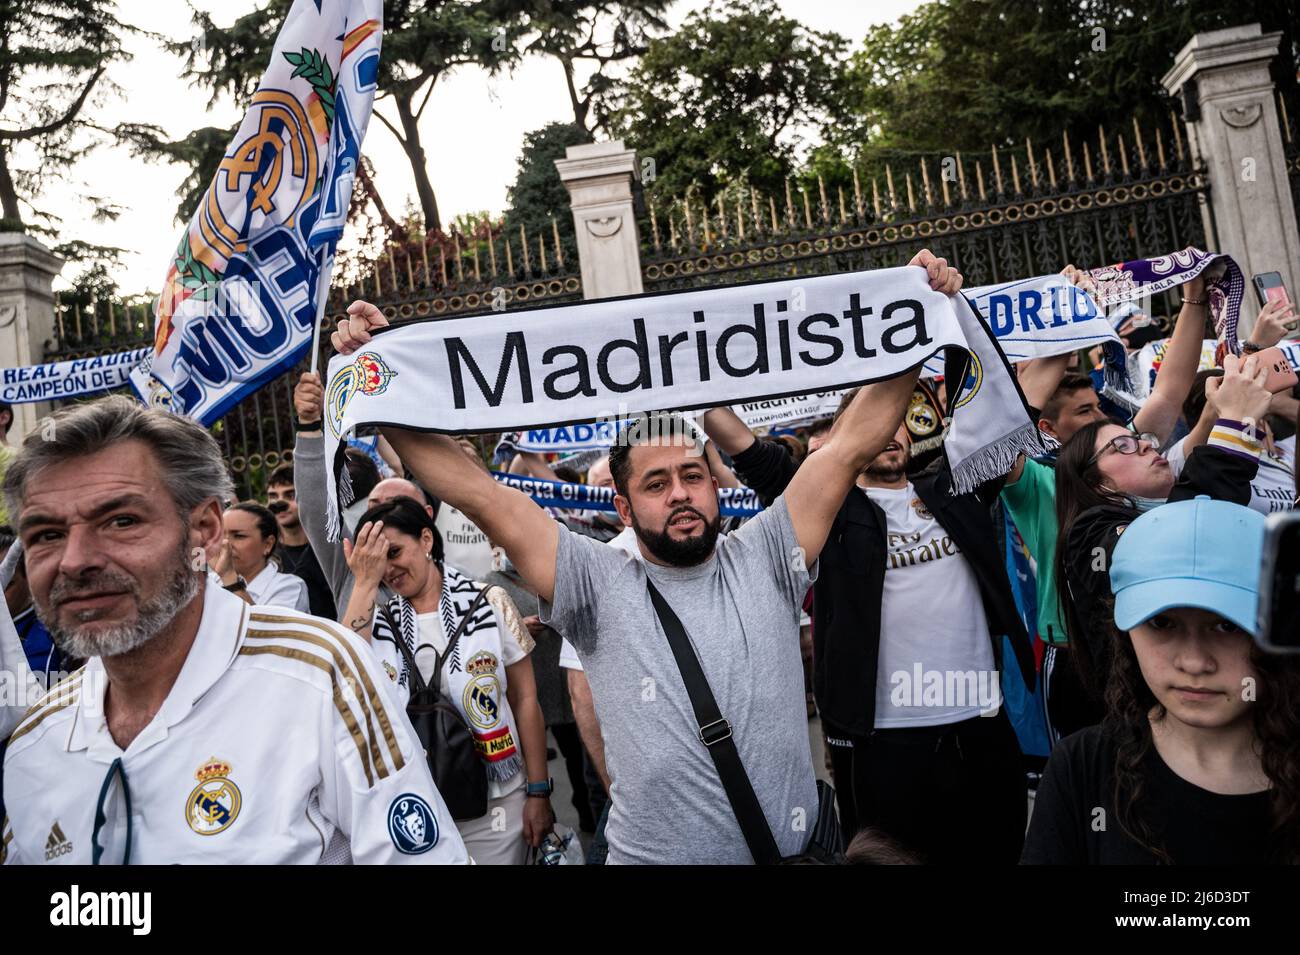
pixel 509 517
pixel 1159 413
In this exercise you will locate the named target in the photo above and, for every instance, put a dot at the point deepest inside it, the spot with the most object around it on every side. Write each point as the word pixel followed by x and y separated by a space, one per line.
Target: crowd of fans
pixel 866 593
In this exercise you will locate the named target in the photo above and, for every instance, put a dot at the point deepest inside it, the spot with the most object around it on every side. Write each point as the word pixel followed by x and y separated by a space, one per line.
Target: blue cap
pixel 1198 553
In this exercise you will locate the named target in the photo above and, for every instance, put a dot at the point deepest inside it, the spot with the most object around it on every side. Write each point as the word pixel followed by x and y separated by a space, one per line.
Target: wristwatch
pixel 541 790
pixel 239 584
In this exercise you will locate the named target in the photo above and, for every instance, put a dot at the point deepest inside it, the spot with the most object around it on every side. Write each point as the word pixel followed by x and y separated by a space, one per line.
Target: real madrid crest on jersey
pixel 922 511
pixel 214 803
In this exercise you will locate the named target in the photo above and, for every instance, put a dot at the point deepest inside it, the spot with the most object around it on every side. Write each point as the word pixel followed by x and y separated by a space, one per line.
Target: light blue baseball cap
pixel 1199 553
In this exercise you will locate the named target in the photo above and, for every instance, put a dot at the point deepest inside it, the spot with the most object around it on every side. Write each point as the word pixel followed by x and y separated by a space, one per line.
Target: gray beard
pixel 152 618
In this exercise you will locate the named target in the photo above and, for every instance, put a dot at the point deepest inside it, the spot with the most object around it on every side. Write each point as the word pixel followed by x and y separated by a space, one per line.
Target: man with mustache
pixel 201 729
pixel 738 598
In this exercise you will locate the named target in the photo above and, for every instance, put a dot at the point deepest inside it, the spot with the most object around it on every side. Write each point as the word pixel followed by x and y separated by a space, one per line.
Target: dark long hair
pixel 267 525
pixel 1129 707
pixel 1078 489
pixel 407 515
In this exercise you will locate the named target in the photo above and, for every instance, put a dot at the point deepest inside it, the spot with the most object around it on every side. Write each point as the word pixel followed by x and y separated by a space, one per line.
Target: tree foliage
pixel 55 58
pixel 730 96
pixel 537 193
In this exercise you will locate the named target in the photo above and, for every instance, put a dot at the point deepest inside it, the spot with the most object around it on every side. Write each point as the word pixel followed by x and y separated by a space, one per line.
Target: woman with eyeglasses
pixel 1106 476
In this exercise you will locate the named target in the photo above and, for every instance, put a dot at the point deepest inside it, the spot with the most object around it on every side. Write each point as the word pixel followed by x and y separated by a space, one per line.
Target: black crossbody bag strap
pixel 417 681
pixel 715 734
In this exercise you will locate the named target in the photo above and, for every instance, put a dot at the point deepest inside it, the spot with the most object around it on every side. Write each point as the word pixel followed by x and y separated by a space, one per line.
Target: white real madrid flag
pixel 239 304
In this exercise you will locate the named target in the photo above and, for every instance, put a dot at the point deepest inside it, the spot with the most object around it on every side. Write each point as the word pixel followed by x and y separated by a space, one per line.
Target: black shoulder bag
pixel 826 842
pixel 454 761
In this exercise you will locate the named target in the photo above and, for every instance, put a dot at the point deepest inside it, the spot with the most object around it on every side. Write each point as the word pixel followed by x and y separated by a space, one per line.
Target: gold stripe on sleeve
pixel 340 704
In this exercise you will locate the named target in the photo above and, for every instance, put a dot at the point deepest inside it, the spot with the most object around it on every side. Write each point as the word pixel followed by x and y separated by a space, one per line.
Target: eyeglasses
pixel 1126 444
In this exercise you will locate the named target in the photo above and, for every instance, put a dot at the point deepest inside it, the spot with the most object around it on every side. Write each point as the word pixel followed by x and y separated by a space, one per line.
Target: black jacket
pixel 1212 471
pixel 851 581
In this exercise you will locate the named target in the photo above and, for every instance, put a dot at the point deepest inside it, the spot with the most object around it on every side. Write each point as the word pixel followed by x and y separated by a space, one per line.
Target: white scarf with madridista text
pixel 701 348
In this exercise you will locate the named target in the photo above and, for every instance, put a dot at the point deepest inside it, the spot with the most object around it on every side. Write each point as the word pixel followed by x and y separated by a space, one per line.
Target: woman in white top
pixel 486 675
pixel 252 533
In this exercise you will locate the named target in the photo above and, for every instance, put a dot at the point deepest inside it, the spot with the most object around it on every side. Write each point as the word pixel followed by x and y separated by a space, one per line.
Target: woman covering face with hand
pixel 1195 762
pixel 487 675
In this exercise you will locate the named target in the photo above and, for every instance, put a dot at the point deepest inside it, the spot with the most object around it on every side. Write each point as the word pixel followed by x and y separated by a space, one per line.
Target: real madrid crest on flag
pixel 241 298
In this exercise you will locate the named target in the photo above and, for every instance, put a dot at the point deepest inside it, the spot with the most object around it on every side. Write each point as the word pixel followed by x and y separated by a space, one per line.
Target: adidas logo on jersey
pixel 57 844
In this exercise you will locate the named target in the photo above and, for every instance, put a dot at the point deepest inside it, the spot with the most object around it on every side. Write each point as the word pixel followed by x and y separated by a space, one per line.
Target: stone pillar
pixel 27 271
pixel 599 179
pixel 1232 129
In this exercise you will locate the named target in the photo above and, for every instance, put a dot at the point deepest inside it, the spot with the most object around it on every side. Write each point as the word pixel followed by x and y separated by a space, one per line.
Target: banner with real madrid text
pixel 239 303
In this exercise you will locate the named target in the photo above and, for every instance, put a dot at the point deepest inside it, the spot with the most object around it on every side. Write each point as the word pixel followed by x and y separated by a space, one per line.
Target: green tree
pixel 592 32
pixel 964 74
pixel 423 41
pixel 537 193
pixel 55 56
pixel 730 96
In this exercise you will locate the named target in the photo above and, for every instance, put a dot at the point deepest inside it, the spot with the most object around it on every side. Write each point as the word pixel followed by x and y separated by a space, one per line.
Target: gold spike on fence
pixel 771 205
pixel 961 176
pixel 672 231
pixel 911 195
pixel 460 263
pixel 690 226
pixel 844 214
pixel 1087 162
pixel 857 196
pixel 979 178
pixel 825 206
pixel 807 210
pixel 722 217
pixel 889 182
pixel 1105 153
pixel 1069 159
pixel 943 184
pixel 442 263
pixel 1123 155
pixel 1137 138
pixel 410 272
pixel 541 252
pixel 997 171
pixel 392 268
pixel 1286 122
pixel 1015 175
pixel 492 251
pixel 704 221
pixel 424 252
pixel 789 205
pixel 1051 168
pixel 1178 137
pixel 925 184
pixel 1160 149
pixel 740 219
pixel 523 247
pixel 654 227
pixel 1033 166
pixel 875 198
pixel 753 204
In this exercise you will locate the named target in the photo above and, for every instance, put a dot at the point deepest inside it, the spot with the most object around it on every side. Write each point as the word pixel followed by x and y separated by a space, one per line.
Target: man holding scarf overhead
pixel 738 599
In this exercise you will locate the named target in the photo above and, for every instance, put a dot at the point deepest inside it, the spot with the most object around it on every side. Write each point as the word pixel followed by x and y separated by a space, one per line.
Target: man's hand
pixel 309 398
pixel 354 331
pixel 1276 319
pixel 943 277
pixel 534 624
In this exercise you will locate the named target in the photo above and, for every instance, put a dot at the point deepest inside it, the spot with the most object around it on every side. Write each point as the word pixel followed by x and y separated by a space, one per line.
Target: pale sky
pixel 472 130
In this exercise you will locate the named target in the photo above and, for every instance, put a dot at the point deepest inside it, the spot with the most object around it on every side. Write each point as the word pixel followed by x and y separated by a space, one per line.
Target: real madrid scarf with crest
pixel 476 677
pixel 682 350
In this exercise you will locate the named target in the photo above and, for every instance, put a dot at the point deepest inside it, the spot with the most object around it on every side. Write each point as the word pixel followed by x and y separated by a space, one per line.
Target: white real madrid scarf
pixel 476 678
pixel 603 359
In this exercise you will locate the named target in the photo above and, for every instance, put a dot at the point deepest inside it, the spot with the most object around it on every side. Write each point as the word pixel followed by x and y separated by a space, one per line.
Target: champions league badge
pixel 214 803
pixel 367 375
pixel 412 825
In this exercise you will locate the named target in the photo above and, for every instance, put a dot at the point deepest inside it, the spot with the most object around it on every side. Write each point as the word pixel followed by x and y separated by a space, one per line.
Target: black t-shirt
pixel 1074 821
pixel 301 562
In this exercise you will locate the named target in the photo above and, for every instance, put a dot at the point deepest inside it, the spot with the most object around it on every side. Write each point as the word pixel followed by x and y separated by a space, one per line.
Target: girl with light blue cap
pixel 1195 761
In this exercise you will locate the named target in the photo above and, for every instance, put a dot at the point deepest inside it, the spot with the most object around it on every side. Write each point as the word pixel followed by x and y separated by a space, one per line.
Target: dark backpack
pixel 454 761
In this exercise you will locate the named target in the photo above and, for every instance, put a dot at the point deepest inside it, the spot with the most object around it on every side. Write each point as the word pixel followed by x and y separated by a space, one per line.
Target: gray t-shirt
pixel 741 610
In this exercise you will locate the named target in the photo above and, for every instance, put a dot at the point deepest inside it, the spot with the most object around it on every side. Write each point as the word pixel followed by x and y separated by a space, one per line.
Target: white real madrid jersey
pixel 280 742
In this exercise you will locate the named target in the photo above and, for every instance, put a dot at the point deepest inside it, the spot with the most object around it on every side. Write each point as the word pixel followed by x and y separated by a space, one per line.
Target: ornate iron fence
pixel 1007 214
pixel 423 279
